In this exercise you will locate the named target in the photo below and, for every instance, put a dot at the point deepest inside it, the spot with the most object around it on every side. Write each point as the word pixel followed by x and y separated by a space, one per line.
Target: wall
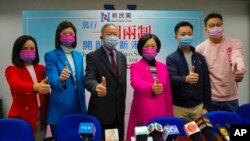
pixel 236 16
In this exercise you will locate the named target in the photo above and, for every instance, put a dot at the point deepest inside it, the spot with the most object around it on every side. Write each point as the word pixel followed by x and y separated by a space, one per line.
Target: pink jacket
pixel 144 107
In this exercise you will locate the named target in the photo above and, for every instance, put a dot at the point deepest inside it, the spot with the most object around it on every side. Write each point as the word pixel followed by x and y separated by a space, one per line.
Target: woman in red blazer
pixel 28 85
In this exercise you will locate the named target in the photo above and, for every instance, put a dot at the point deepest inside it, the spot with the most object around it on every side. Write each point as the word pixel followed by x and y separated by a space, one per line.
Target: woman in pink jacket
pixel 150 81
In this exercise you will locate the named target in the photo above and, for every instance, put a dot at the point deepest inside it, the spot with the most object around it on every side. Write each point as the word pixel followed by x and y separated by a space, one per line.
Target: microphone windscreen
pixel 155 131
pixel 155 127
pixel 87 129
pixel 141 133
pixel 206 128
pixel 223 132
pixel 192 131
pixel 191 128
pixel 170 132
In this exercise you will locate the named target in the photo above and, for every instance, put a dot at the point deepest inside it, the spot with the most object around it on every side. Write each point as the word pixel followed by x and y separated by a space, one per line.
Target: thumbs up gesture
pixel 239 74
pixel 101 88
pixel 43 87
pixel 65 74
pixel 45 81
pixel 192 77
pixel 157 87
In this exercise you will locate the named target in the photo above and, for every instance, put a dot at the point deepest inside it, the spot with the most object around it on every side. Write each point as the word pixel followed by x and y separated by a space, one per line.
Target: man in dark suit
pixel 105 78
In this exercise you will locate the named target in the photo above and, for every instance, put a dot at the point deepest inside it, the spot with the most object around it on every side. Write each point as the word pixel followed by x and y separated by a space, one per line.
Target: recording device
pixel 206 128
pixel 192 131
pixel 170 132
pixel 155 131
pixel 223 132
pixel 87 131
pixel 111 135
pixel 141 133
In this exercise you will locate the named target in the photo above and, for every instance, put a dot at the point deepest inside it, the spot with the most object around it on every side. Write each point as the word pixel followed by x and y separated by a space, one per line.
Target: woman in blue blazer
pixel 64 68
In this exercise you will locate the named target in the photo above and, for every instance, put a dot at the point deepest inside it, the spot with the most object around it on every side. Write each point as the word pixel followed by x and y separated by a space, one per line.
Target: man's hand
pixel 192 77
pixel 101 88
pixel 239 74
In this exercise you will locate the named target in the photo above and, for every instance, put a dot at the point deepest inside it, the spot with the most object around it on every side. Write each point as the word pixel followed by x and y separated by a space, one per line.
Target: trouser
pixel 188 113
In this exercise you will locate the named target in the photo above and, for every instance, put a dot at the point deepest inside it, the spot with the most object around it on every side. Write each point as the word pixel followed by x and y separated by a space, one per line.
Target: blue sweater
pixel 185 94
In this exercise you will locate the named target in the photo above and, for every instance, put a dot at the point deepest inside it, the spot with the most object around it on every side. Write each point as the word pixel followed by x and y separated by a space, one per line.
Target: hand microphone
pixel 227 125
pixel 111 135
pixel 206 128
pixel 141 133
pixel 223 132
pixel 192 131
pixel 170 132
pixel 87 131
pixel 155 131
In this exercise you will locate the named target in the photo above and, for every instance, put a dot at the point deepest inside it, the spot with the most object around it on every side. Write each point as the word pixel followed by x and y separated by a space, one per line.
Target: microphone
pixel 155 131
pixel 223 132
pixel 141 133
pixel 111 135
pixel 170 132
pixel 227 125
pixel 87 131
pixel 205 126
pixel 192 131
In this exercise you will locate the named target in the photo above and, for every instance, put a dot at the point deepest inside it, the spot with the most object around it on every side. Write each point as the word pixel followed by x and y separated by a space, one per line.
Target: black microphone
pixel 155 130
pixel 141 133
pixel 192 131
pixel 170 132
pixel 223 132
pixel 206 128
pixel 227 125
pixel 87 131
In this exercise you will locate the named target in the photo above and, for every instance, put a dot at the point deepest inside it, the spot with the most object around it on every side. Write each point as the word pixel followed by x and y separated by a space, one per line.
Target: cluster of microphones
pixel 195 130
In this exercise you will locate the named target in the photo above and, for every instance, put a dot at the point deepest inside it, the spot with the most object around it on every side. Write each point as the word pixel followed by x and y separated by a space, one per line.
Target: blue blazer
pixel 68 98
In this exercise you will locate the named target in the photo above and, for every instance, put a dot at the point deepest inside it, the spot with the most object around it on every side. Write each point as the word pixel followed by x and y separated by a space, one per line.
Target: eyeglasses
pixel 212 25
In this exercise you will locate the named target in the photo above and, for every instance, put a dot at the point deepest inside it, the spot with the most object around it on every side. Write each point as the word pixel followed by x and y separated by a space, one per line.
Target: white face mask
pixel 111 41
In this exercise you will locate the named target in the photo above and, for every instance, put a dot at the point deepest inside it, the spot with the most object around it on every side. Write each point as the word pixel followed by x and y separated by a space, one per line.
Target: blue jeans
pixel 231 106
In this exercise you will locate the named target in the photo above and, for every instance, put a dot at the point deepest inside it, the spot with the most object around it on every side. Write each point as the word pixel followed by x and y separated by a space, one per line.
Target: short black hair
pixel 212 15
pixel 63 25
pixel 18 46
pixel 144 38
pixel 180 24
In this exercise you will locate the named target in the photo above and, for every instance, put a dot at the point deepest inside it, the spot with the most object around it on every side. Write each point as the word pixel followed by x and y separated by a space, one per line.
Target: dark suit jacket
pixel 98 65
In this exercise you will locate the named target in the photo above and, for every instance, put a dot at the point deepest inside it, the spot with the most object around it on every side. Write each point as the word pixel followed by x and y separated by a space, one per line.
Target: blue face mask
pixel 111 41
pixel 185 41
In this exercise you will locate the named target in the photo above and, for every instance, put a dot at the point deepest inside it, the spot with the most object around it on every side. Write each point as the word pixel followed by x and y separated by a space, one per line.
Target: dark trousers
pixel 231 106
pixel 116 124
pixel 53 131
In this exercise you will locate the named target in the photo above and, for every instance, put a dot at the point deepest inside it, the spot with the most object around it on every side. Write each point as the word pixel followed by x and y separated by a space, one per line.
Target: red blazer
pixel 24 100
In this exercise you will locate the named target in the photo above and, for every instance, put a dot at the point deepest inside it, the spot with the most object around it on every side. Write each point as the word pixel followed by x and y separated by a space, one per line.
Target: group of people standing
pixel 192 81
